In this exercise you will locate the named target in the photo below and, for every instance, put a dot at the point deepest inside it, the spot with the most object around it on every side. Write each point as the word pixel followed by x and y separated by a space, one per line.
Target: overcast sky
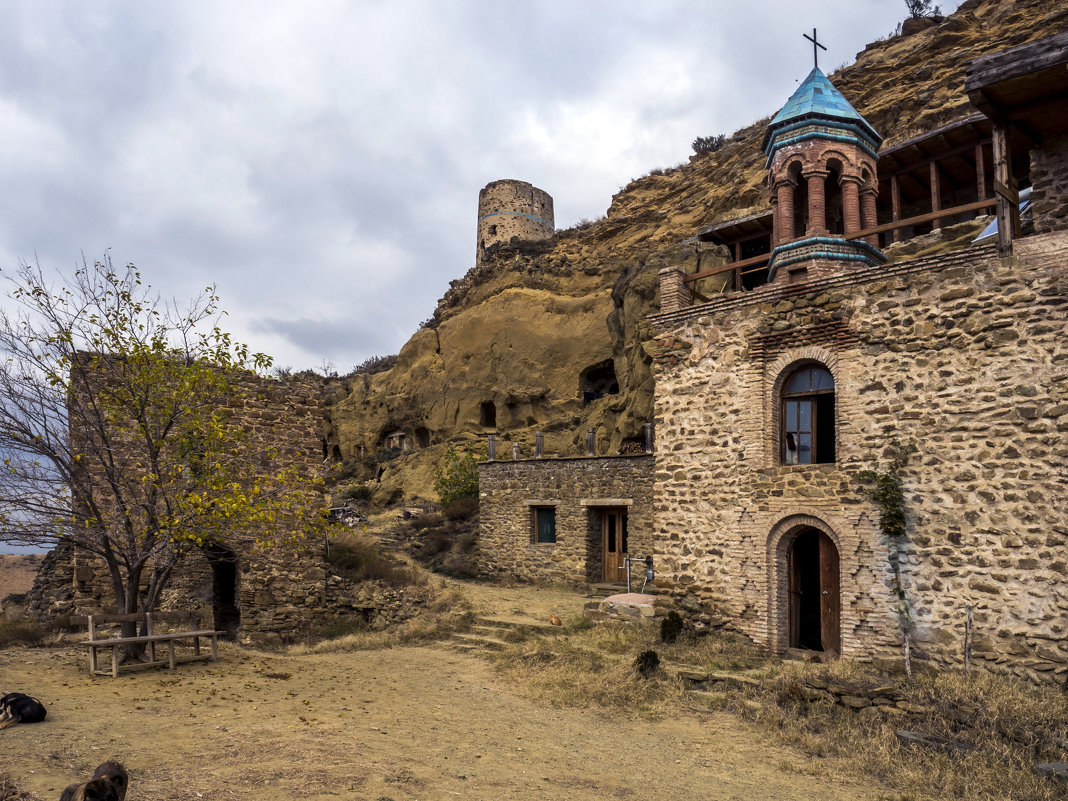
pixel 320 160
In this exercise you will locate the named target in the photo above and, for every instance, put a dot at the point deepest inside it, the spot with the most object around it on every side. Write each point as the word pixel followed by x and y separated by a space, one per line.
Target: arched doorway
pixel 224 574
pixel 814 611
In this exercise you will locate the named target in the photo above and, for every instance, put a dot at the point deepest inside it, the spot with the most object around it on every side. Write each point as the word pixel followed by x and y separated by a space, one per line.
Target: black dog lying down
pixel 20 708
pixel 109 783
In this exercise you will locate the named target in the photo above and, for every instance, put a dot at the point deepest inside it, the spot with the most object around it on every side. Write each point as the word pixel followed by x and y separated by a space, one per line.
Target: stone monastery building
pixel 773 400
pixel 784 379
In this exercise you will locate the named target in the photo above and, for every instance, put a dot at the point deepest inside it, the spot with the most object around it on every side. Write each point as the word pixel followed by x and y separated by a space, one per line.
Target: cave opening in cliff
pixel 487 415
pixel 422 437
pixel 598 380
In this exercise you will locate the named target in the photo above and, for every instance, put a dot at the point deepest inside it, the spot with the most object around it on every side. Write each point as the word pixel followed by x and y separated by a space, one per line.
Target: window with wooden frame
pixel 544 524
pixel 807 416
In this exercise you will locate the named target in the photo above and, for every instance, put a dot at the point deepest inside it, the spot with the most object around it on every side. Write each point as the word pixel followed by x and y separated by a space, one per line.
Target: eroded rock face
pixel 513 338
pixel 548 343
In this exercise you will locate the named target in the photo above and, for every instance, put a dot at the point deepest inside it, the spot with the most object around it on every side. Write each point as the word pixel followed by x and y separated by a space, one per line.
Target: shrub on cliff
pixel 374 364
pixel 457 477
pixel 922 8
pixel 708 144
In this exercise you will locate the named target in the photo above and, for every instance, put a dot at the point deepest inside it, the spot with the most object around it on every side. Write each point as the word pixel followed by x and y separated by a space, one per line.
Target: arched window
pixel 807 434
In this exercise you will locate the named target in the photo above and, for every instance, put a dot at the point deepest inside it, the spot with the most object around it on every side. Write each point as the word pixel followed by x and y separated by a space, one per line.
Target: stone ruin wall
pixel 1049 185
pixel 280 593
pixel 577 487
pixel 510 208
pixel 964 355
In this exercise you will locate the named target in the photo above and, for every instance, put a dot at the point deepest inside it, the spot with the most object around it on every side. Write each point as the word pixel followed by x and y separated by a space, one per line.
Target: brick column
pixel 869 217
pixel 674 294
pixel 783 222
pixel 774 220
pixel 817 202
pixel 850 204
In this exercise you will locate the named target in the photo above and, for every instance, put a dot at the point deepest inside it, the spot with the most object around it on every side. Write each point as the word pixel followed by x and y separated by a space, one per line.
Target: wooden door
pixel 830 604
pixel 793 572
pixel 814 612
pixel 614 545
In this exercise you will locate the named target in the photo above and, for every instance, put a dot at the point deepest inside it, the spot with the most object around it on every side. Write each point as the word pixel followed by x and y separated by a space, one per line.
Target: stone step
pixel 517 623
pixel 604 590
pixel 708 696
pixel 488 632
pixel 474 640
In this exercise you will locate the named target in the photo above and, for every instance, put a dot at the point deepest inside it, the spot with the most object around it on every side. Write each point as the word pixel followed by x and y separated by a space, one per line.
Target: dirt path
pixel 407 723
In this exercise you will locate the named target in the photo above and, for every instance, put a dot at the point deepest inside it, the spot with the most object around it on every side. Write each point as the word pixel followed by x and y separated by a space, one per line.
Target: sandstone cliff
pixel 515 344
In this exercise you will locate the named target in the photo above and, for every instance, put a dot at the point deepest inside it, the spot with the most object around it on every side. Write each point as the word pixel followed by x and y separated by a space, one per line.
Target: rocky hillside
pixel 512 346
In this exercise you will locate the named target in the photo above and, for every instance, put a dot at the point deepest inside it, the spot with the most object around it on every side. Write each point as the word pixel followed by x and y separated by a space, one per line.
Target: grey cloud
pixel 322 163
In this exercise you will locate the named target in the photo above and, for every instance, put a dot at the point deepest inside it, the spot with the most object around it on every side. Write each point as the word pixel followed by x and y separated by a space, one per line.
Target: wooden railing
pixel 923 218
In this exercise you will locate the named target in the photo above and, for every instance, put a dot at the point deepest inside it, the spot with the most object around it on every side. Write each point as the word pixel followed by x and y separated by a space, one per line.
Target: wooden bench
pixel 191 634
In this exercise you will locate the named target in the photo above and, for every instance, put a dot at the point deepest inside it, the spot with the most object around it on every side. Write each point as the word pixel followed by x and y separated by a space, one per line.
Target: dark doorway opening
pixel 599 380
pixel 755 276
pixel 833 210
pixel 488 414
pixel 422 437
pixel 224 601
pixel 815 611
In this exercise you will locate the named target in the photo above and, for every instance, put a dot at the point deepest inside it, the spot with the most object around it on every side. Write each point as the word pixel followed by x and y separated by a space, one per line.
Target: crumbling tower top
pixel 510 209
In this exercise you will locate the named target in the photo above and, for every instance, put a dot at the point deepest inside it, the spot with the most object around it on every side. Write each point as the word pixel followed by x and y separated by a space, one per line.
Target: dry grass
pixel 20 631
pixel 590 666
pixel 10 792
pixel 1011 724
pixel 359 558
pixel 445 614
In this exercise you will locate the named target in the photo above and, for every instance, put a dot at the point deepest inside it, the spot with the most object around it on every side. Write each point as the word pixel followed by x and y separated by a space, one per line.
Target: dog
pixel 20 708
pixel 109 783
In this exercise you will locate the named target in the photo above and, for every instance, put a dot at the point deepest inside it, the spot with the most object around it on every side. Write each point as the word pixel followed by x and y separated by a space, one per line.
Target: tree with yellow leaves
pixel 115 434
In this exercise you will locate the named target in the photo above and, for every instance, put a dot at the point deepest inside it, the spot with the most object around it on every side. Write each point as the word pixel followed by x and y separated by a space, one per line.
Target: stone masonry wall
pixel 1049 181
pixel 579 489
pixel 963 355
pixel 275 589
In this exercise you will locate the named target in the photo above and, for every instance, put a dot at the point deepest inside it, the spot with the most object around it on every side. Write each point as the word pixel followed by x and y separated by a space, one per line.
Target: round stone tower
pixel 510 208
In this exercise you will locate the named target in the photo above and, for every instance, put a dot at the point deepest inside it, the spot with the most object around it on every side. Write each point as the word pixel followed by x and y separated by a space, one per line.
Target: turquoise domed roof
pixel 816 100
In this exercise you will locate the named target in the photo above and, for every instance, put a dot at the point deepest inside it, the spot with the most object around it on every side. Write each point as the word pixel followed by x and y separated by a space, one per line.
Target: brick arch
pixel 785 158
pixel 844 165
pixel 780 538
pixel 775 376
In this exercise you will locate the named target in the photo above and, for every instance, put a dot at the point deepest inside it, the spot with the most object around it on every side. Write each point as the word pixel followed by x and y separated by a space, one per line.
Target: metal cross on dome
pixel 815 44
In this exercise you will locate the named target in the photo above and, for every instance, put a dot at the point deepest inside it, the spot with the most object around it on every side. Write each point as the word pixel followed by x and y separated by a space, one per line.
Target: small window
pixel 808 417
pixel 544 524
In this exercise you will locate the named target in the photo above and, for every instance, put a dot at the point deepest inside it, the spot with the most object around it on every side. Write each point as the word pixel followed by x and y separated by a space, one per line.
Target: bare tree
pixel 922 8
pixel 114 430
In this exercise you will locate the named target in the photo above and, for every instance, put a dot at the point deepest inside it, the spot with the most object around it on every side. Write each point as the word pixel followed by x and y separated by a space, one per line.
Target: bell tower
pixel 822 177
